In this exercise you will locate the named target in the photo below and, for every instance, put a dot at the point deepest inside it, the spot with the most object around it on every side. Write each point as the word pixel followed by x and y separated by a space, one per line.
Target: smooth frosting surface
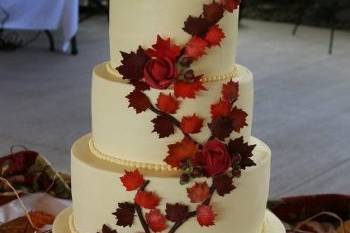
pixel 138 22
pixel 121 133
pixel 97 190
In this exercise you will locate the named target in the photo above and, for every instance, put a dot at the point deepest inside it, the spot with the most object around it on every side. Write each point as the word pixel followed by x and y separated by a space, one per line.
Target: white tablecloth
pixel 43 15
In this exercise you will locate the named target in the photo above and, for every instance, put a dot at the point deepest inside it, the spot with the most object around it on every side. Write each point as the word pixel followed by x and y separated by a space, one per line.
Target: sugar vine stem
pixel 175 121
pixel 139 210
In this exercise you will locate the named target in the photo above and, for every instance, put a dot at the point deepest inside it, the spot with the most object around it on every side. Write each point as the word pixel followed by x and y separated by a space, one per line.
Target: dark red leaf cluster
pixel 176 212
pixel 107 229
pixel 163 126
pixel 224 184
pixel 138 101
pixel 133 64
pixel 244 152
pixel 125 214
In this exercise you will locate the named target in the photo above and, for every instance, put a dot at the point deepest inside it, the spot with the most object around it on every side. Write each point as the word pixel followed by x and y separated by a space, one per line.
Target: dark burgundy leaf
pixel 140 85
pixel 107 229
pixel 125 214
pixel 245 151
pixel 224 184
pixel 213 12
pixel 133 64
pixel 176 212
pixel 196 26
pixel 163 126
pixel 221 127
pixel 139 101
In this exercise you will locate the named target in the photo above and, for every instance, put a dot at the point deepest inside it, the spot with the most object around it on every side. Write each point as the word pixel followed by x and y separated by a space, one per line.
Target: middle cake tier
pixel 120 135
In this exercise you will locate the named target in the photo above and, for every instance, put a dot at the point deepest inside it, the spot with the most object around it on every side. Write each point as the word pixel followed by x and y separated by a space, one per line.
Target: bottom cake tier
pixel 97 190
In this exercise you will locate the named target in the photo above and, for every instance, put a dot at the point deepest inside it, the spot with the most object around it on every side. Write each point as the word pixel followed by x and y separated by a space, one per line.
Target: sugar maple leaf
pixel 164 48
pixel 156 220
pixel 125 214
pixel 220 109
pixel 221 127
pixel 191 124
pixel 195 48
pixel 147 200
pixel 205 216
pixel 133 64
pixel 239 119
pixel 213 12
pixel 132 180
pixel 188 89
pixel 230 5
pixel 230 91
pixel 224 184
pixel 239 148
pixel 107 229
pixel 139 101
pixel 180 152
pixel 199 192
pixel 176 212
pixel 163 126
pixel 196 26
pixel 214 36
pixel 167 103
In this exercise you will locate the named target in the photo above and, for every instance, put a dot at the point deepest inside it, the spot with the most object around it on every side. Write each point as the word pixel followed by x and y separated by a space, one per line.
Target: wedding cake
pixel 171 147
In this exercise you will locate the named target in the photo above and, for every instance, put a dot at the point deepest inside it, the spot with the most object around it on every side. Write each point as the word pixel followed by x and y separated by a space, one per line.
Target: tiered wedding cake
pixel 171 107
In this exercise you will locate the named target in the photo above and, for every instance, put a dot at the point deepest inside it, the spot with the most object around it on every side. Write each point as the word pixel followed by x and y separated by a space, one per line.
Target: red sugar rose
pixel 160 73
pixel 215 158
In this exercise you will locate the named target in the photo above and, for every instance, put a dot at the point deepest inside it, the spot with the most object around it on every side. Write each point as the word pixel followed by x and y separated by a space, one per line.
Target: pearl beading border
pixel 73 229
pixel 128 163
pixel 231 75
pixel 71 224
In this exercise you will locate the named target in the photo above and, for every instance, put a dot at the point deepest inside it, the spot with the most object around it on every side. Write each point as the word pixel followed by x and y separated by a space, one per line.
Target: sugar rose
pixel 160 73
pixel 215 158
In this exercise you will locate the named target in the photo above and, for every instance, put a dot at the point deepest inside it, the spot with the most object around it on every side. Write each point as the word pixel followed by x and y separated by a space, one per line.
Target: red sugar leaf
pixel 196 26
pixel 176 212
pixel 163 126
pixel 239 119
pixel 239 148
pixel 147 200
pixel 156 220
pixel 198 192
pixel 164 48
pixel 205 216
pixel 125 214
pixel 230 91
pixel 220 109
pixel 188 89
pixel 213 12
pixel 180 152
pixel 107 229
pixel 214 36
pixel 224 184
pixel 221 127
pixel 230 5
pixel 132 180
pixel 139 101
pixel 167 103
pixel 133 64
pixel 191 124
pixel 195 48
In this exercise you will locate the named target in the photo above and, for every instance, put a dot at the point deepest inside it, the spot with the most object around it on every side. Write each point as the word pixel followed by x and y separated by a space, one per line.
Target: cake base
pixel 61 224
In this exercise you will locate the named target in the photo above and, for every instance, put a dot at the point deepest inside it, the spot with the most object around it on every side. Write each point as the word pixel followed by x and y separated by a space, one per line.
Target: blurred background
pixel 298 50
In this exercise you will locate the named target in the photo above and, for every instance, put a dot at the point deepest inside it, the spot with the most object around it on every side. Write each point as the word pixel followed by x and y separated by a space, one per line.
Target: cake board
pixel 61 224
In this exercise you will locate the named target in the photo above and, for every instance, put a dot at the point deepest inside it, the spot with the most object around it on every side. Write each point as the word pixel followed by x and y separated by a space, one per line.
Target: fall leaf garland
pixel 220 160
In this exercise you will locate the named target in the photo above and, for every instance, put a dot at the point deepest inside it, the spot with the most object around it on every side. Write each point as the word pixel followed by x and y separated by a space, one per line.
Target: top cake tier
pixel 138 22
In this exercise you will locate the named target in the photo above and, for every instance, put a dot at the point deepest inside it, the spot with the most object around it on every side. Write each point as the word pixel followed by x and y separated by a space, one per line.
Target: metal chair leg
pixel 331 42
pixel 51 40
pixel 74 46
